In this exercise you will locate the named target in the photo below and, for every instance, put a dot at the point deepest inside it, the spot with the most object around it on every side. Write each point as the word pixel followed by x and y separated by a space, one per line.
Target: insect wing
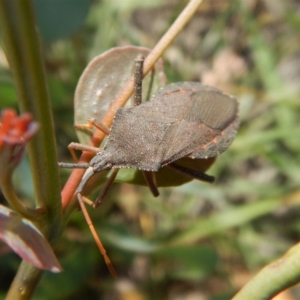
pixel 185 119
pixel 206 128
pixel 218 112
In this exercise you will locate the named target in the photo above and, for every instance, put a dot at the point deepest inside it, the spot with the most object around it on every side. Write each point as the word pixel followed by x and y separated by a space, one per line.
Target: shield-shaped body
pixel 185 119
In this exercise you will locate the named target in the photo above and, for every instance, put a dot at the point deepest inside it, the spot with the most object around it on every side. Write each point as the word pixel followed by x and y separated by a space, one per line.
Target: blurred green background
pixel 197 241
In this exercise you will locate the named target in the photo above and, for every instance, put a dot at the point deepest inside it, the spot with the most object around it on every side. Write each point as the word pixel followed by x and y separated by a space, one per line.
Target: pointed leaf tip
pixel 24 238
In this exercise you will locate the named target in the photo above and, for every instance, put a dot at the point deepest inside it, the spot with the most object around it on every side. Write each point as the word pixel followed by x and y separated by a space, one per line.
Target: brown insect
pixel 184 119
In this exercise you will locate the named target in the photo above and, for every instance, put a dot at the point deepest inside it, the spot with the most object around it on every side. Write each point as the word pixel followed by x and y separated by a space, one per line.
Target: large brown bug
pixel 184 119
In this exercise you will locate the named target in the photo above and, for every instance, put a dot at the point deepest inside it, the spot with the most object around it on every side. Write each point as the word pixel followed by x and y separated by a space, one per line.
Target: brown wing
pixel 206 130
pixel 181 120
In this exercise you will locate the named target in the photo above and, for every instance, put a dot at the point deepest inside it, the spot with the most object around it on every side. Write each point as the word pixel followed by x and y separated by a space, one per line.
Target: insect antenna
pixel 73 166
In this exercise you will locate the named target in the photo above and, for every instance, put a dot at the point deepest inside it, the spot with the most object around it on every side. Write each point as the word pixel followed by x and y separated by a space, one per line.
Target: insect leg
pixel 91 124
pixel 192 173
pixel 150 180
pixel 77 146
pixel 95 236
pixel 99 126
pixel 83 126
pixel 138 77
pixel 87 200
pixel 105 188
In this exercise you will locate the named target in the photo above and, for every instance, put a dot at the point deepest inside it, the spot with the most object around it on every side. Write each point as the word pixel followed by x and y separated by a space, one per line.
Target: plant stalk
pixel 23 50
